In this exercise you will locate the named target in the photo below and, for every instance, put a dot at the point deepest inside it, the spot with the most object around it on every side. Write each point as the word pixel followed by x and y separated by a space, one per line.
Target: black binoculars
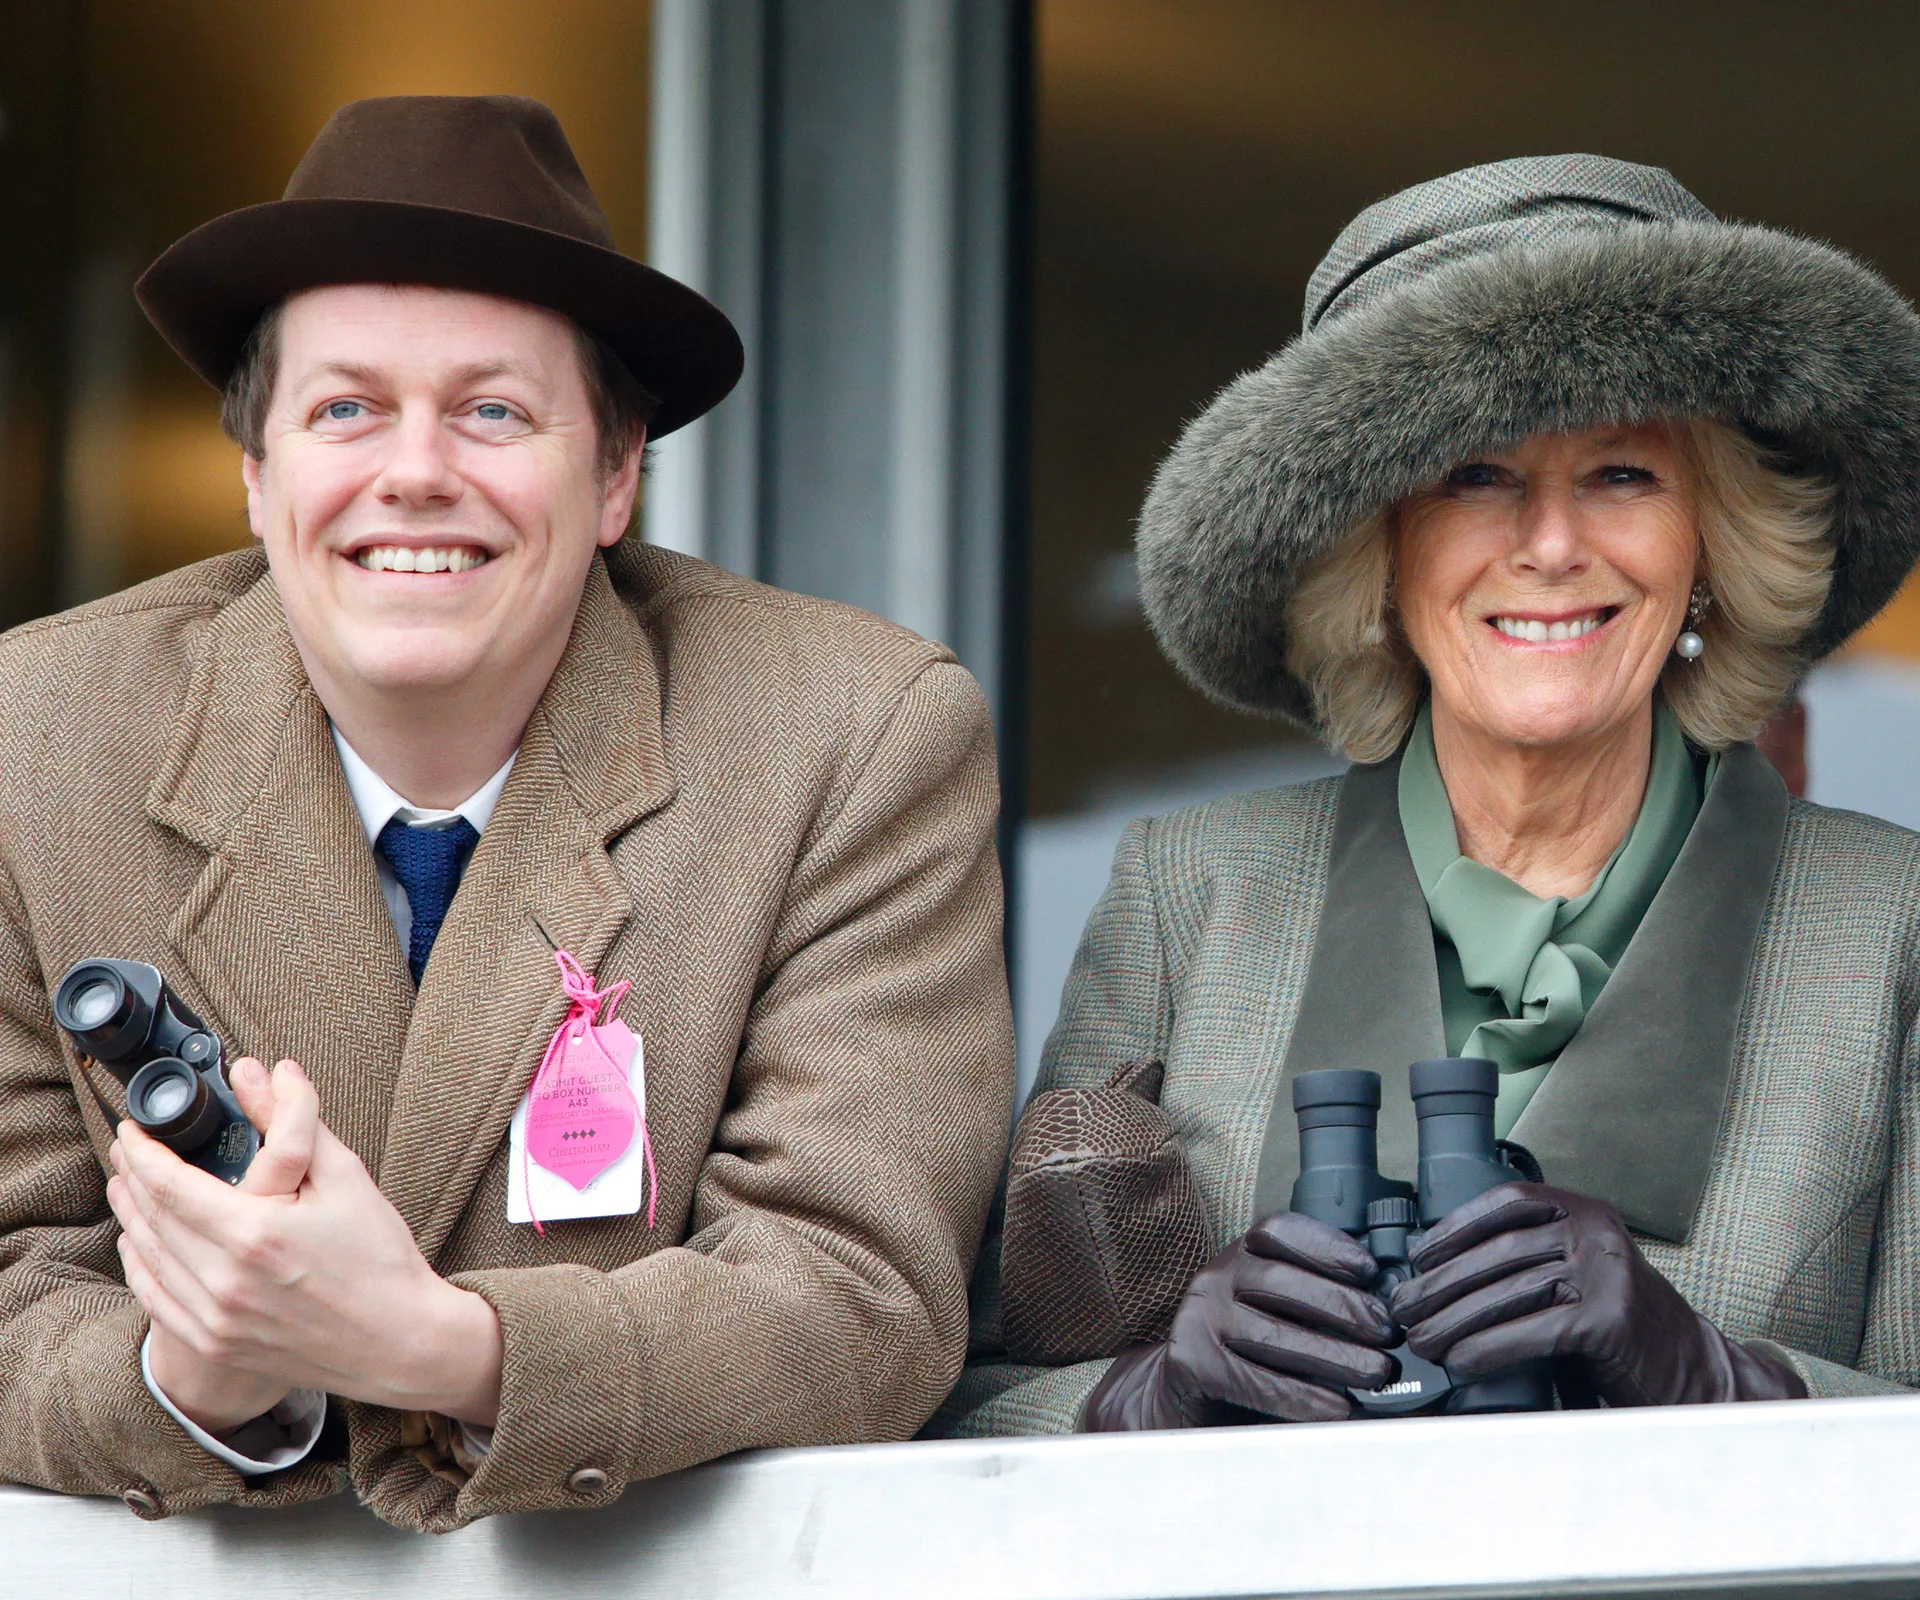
pixel 1340 1184
pixel 122 1015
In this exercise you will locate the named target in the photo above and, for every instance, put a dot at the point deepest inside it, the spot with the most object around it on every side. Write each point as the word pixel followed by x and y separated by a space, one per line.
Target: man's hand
pixel 1525 1272
pixel 221 1398
pixel 302 1277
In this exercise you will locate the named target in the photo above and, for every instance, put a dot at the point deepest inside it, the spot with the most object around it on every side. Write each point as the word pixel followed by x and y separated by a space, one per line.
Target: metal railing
pixel 1786 1499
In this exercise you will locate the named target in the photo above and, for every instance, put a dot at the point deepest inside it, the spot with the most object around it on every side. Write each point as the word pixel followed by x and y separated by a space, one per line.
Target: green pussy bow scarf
pixel 1518 973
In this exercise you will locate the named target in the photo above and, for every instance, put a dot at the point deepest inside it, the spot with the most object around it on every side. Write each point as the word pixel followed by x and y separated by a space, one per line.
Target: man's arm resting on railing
pixel 281 1436
pixel 76 1414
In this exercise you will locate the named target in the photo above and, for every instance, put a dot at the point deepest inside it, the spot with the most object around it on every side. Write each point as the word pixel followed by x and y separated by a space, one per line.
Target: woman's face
pixel 1543 587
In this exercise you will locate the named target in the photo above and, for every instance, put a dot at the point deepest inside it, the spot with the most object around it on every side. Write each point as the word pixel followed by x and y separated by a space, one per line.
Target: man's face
pixel 431 495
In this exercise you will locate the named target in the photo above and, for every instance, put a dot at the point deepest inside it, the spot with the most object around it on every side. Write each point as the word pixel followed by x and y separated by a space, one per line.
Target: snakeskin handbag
pixel 1105 1226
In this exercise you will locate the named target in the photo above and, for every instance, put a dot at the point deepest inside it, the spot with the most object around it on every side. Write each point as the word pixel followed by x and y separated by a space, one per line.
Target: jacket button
pixel 141 1501
pixel 588 1480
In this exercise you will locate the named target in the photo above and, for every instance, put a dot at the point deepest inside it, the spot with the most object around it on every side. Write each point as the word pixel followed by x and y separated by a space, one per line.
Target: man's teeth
pixel 401 558
pixel 1547 632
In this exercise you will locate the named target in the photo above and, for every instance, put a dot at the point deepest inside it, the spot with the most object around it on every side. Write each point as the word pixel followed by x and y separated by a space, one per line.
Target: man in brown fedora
pixel 726 899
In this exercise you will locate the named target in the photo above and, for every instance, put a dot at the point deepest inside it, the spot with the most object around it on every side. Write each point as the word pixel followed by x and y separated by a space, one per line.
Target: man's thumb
pixel 253 1088
pixel 290 1105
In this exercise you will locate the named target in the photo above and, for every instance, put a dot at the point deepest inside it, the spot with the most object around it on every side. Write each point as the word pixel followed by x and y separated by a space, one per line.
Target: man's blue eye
pixel 491 412
pixel 343 410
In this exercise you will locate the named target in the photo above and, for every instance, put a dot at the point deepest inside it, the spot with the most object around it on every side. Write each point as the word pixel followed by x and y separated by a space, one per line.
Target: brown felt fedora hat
pixel 477 192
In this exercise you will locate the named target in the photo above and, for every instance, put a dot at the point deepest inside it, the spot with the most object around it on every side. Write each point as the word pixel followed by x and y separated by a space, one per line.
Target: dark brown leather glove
pixel 1278 1324
pixel 1525 1271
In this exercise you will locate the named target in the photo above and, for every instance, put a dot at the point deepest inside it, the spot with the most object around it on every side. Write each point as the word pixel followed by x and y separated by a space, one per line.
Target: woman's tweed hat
pixel 1541 295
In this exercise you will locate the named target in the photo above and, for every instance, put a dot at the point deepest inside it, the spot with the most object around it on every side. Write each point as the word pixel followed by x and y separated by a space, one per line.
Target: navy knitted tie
pixel 428 862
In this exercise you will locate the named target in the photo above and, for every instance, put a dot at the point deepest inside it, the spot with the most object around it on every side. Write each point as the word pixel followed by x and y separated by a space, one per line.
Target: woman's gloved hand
pixel 1524 1272
pixel 1279 1323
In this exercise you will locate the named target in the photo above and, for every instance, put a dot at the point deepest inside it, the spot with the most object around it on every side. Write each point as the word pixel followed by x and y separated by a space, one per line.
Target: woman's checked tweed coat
pixel 1746 1090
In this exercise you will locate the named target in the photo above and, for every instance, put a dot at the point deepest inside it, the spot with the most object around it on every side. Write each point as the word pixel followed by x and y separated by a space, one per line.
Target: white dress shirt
pixel 287 1434
pixel 378 804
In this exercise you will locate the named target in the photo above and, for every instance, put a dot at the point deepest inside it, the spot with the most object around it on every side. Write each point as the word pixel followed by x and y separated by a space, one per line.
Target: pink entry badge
pixel 580 1119
pixel 579 1146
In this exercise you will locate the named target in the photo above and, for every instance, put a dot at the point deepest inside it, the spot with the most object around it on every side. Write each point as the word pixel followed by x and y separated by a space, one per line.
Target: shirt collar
pixel 378 803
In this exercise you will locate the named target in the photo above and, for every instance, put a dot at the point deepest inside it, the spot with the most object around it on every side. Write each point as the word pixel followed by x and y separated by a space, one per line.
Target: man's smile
pixel 429 558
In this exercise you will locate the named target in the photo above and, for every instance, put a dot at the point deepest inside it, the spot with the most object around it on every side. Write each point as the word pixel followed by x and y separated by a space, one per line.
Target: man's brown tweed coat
pixel 1746 1089
pixel 773 815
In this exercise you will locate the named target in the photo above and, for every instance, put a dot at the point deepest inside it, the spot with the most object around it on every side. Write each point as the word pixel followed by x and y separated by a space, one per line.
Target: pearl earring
pixel 1690 646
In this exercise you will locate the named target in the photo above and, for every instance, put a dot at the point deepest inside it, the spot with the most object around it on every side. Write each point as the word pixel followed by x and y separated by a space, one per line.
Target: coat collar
pixel 592 764
pixel 1372 997
pixel 249 709
pixel 285 933
pixel 1631 1111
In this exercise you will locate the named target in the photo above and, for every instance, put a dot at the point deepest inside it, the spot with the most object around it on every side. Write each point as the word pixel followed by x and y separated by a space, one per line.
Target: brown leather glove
pixel 1524 1272
pixel 1278 1324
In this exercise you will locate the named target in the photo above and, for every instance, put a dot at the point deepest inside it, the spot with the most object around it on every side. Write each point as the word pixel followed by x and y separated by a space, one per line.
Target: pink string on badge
pixel 581 1112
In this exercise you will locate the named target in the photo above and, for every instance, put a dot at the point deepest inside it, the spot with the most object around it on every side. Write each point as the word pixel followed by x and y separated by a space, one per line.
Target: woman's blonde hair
pixel 1766 557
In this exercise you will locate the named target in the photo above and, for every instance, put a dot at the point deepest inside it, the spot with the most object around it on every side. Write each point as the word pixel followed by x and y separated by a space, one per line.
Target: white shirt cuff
pixel 476 1437
pixel 283 1437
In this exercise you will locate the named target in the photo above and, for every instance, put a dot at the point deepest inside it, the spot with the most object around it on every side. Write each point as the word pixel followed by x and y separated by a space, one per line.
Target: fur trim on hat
pixel 1812 353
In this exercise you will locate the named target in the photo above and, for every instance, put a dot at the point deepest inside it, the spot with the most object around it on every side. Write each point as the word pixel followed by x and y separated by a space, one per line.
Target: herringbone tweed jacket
pixel 1746 1090
pixel 772 815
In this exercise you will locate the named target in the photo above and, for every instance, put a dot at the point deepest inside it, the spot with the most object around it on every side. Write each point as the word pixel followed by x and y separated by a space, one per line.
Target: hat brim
pixel 209 289
pixel 1809 351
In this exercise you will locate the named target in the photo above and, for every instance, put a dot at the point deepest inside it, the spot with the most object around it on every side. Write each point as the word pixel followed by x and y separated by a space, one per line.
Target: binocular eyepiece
pixel 1341 1184
pixel 122 1015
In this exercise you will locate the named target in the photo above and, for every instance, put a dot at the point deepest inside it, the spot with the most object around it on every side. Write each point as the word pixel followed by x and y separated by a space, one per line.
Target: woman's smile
pixel 1568 629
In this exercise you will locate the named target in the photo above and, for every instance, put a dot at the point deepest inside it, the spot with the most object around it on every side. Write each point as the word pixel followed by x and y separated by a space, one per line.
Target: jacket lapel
pixel 1372 996
pixel 1631 1111
pixel 592 763
pixel 283 936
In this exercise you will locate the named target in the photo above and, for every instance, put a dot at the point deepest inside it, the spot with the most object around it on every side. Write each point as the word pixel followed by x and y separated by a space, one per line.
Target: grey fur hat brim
pixel 1812 353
